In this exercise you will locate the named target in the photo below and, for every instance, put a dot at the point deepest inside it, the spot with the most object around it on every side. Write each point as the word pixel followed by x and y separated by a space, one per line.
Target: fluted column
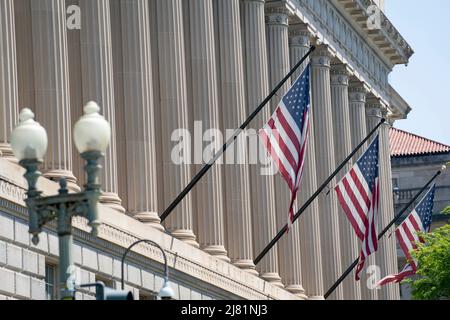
pixel 375 109
pixel 51 78
pixel 9 100
pixel 257 88
pixel 325 163
pixel 358 125
pixel 357 99
pixel 307 227
pixel 391 291
pixel 140 115
pixel 174 114
pixel 373 117
pixel 289 259
pixel 98 85
pixel 233 111
pixel 343 147
pixel 203 78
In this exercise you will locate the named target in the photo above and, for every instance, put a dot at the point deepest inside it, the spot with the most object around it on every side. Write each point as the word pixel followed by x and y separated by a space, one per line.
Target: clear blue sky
pixel 425 83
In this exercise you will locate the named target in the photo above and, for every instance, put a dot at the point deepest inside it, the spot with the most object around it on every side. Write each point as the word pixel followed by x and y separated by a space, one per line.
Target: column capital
pixel 357 91
pixel 387 114
pixel 374 108
pixel 321 57
pixel 300 35
pixel 340 74
pixel 277 15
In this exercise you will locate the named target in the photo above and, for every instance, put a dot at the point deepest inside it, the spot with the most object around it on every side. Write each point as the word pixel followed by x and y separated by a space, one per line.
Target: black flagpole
pixel 230 141
pixel 316 194
pixel 396 218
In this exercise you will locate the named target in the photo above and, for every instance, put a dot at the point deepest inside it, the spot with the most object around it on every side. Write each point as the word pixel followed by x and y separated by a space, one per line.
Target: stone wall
pixel 22 267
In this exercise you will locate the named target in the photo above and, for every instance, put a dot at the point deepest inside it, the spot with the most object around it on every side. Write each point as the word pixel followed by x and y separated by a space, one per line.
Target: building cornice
pixel 329 23
pixel 387 38
pixel 399 107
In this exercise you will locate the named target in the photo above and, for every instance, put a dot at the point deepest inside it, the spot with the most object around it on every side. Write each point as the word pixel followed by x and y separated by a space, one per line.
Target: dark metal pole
pixel 315 195
pixel 382 233
pixel 230 141
pixel 166 267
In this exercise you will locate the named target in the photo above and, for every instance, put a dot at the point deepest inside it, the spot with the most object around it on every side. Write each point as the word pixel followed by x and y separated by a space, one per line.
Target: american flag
pixel 359 195
pixel 285 135
pixel 419 220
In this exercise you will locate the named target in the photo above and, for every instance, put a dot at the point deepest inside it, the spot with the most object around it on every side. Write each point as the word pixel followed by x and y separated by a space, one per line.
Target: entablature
pixel 329 23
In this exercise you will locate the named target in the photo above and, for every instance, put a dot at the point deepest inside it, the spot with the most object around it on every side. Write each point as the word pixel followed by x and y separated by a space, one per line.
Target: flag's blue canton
pixel 425 208
pixel 368 163
pixel 297 98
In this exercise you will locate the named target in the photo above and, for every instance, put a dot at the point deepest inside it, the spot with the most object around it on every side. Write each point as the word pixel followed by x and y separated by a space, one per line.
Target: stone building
pixel 414 161
pixel 155 66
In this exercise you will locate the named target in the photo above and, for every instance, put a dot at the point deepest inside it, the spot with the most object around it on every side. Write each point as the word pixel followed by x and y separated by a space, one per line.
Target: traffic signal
pixel 102 292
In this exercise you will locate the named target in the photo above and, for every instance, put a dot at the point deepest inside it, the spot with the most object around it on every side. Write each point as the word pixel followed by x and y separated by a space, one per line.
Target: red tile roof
pixel 407 144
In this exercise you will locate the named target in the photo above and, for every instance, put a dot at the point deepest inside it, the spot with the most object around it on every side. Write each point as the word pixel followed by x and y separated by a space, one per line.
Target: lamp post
pixel 29 143
pixel 166 292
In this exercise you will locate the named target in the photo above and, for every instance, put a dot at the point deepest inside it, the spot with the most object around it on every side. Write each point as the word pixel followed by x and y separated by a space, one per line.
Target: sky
pixel 425 82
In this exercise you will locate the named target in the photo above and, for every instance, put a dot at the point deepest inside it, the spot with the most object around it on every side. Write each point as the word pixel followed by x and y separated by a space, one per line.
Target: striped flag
pixel 419 220
pixel 285 135
pixel 359 195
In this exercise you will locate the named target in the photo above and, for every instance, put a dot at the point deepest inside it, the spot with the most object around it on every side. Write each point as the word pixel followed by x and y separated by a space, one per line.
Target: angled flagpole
pixel 230 141
pixel 382 233
pixel 315 195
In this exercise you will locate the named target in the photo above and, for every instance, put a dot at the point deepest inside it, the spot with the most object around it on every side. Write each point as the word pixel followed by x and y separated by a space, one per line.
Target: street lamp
pixel 166 292
pixel 396 192
pixel 29 143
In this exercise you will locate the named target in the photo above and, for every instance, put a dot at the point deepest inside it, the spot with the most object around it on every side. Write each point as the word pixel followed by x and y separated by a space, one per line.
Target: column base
pixel 56 175
pixel 149 218
pixel 217 251
pixel 7 153
pixel 316 298
pixel 186 236
pixel 273 278
pixel 246 265
pixel 297 290
pixel 112 200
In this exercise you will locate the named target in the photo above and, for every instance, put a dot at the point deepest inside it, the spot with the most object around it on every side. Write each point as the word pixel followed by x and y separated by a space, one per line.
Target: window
pixel 108 282
pixel 50 282
pixel 145 295
pixel 395 182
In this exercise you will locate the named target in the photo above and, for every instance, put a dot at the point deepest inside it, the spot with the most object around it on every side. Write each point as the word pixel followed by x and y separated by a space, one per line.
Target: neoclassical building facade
pixel 156 66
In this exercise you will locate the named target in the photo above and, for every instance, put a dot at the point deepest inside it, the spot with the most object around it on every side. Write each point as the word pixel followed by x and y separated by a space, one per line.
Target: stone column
pixel 343 147
pixel 257 87
pixel 9 100
pixel 51 78
pixel 307 226
pixel 358 126
pixel 140 115
pixel 325 163
pixel 357 100
pixel 174 114
pixel 391 291
pixel 203 78
pixel 385 254
pixel 233 110
pixel 98 85
pixel 289 259
pixel 373 117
